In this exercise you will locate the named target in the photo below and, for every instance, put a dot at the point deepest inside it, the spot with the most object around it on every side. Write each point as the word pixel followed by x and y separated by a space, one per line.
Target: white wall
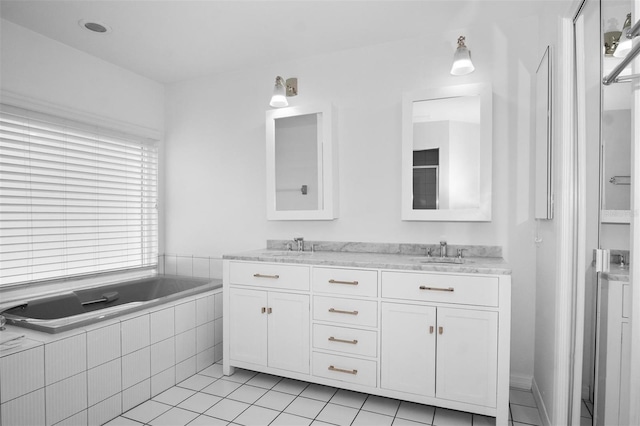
pixel 548 231
pixel 40 68
pixel 215 153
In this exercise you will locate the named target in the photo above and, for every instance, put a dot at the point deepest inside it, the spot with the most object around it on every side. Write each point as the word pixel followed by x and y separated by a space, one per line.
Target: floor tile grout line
pixel 295 397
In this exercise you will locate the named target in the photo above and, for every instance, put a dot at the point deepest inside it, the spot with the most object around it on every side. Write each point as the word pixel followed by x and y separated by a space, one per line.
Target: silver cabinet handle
pixel 341 370
pixel 338 311
pixel 264 309
pixel 332 281
pixel 423 287
pixel 333 339
pixel 275 277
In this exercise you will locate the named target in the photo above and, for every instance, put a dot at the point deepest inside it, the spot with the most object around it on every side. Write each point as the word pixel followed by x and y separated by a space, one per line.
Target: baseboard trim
pixel 542 409
pixel 520 381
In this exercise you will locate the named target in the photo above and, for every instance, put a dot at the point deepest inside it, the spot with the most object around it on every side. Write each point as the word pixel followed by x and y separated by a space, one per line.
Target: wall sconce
pixel 626 39
pixel 462 64
pixel 611 40
pixel 282 90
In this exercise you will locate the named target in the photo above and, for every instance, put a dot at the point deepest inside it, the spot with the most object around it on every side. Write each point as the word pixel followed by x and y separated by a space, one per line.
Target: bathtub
pixel 73 309
pixel 120 352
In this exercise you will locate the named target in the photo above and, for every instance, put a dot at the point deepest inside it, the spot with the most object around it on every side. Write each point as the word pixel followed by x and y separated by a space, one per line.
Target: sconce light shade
pixel 281 90
pixel 625 43
pixel 462 59
pixel 279 98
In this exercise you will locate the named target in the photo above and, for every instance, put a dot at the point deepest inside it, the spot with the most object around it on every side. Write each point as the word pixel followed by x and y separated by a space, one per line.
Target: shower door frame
pixel 571 297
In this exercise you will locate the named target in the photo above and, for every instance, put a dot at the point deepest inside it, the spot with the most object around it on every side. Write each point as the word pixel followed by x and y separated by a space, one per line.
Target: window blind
pixel 75 199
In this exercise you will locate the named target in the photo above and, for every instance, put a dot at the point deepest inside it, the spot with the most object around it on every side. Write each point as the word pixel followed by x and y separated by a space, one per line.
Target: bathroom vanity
pixel 612 347
pixel 387 321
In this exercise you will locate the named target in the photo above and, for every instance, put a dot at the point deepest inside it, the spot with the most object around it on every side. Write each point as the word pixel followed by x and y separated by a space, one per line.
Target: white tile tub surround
pixel 66 398
pixel 190 265
pixel 136 367
pixel 104 411
pixel 25 410
pixel 136 395
pixel 163 324
pixel 162 381
pixel 185 316
pixel 65 358
pixel 104 381
pixel 22 373
pixel 103 345
pixel 93 374
pixel 163 355
pixel 135 334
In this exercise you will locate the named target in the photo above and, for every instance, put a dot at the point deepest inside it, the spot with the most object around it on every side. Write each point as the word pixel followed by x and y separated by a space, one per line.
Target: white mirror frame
pixel 543 141
pixel 327 163
pixel 481 214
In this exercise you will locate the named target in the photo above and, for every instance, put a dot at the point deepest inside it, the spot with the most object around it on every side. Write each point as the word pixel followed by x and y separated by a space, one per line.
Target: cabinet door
pixel 248 326
pixel 408 348
pixel 289 332
pixel 467 356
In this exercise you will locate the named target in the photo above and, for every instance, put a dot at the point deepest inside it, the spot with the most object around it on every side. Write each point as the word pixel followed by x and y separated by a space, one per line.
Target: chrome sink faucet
pixel 300 242
pixel 443 249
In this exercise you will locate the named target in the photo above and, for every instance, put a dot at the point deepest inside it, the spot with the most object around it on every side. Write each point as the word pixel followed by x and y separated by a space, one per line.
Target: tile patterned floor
pixel 255 399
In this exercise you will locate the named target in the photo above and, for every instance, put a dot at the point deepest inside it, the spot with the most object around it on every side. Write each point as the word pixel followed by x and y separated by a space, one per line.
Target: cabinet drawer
pixel 273 275
pixel 355 282
pixel 462 289
pixel 342 339
pixel 346 369
pixel 345 311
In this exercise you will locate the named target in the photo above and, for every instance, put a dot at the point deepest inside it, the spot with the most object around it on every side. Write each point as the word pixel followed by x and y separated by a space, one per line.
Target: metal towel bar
pixel 620 180
pixel 613 75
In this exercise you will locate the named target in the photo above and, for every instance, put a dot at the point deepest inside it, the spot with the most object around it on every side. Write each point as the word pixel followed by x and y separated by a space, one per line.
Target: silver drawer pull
pixel 338 311
pixel 332 281
pixel 423 287
pixel 341 370
pixel 333 339
pixel 275 277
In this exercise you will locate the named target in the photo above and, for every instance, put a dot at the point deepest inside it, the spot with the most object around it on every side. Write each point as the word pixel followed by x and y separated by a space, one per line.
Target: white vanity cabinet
pixel 440 352
pixel 444 343
pixel 435 338
pixel 612 352
pixel 345 325
pixel 269 327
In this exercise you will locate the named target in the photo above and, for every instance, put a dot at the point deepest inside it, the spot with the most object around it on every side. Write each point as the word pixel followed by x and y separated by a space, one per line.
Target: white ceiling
pixel 170 41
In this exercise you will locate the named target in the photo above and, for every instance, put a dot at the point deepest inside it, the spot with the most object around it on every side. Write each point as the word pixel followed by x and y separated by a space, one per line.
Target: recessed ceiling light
pixel 94 26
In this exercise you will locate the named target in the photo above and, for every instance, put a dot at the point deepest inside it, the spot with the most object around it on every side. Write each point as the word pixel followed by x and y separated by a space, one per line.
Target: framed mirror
pixel 615 163
pixel 543 146
pixel 301 163
pixel 446 153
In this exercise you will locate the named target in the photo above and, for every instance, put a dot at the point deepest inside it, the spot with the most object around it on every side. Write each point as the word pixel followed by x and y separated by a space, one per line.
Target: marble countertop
pixel 616 273
pixel 470 265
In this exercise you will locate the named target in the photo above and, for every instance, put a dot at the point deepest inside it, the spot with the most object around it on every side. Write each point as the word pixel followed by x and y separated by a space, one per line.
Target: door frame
pixel 634 320
pixel 568 378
